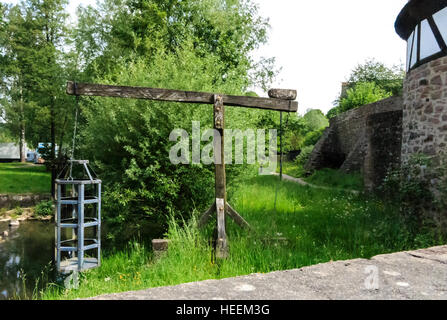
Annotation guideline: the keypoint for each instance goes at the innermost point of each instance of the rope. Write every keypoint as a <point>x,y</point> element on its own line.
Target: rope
<point>75,128</point>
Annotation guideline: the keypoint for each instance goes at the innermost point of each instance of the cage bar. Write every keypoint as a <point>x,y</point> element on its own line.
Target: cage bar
<point>78,219</point>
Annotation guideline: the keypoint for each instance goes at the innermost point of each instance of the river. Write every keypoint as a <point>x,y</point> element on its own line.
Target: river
<point>26,255</point>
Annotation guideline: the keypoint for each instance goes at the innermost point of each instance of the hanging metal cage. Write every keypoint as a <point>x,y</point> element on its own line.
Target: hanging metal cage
<point>78,218</point>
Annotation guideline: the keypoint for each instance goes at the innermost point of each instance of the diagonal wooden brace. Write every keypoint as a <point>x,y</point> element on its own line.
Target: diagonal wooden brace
<point>233,214</point>
<point>207,215</point>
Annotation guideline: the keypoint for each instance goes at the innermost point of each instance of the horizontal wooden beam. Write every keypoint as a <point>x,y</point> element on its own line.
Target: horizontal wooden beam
<point>101,90</point>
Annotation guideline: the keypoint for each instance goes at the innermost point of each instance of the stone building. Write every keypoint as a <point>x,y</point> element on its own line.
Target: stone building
<point>423,24</point>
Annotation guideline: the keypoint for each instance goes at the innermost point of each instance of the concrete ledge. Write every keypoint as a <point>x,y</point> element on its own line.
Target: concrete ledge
<point>411,275</point>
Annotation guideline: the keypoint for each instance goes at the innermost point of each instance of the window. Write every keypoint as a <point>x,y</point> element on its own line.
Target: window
<point>429,45</point>
<point>414,51</point>
<point>409,47</point>
<point>428,40</point>
<point>440,19</point>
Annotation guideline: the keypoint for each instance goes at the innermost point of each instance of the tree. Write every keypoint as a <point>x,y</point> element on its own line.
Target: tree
<point>369,82</point>
<point>315,120</point>
<point>363,93</point>
<point>118,30</point>
<point>300,131</point>
<point>190,45</point>
<point>389,79</point>
<point>34,70</point>
<point>16,71</point>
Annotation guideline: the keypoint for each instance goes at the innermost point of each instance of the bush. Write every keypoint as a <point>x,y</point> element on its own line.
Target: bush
<point>129,142</point>
<point>18,211</point>
<point>311,138</point>
<point>413,187</point>
<point>44,208</point>
<point>304,155</point>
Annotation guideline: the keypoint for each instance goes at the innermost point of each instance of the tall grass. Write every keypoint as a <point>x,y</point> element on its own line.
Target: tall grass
<point>294,226</point>
<point>336,179</point>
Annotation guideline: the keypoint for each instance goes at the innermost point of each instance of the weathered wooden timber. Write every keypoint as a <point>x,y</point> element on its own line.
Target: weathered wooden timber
<point>88,89</point>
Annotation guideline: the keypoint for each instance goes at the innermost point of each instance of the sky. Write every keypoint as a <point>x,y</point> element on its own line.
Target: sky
<point>318,43</point>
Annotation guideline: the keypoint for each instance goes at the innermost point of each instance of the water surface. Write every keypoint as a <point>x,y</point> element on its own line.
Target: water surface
<point>26,255</point>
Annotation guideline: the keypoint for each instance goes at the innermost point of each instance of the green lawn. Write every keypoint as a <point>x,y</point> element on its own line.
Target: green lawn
<point>24,178</point>
<point>318,226</point>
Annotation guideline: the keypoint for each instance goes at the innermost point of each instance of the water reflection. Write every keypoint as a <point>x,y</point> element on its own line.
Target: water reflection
<point>26,255</point>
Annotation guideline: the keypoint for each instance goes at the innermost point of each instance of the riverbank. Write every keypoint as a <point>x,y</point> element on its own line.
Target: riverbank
<point>11,219</point>
<point>23,214</point>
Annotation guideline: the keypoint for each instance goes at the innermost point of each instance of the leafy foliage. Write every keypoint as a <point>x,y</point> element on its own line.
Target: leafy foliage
<point>44,208</point>
<point>363,93</point>
<point>390,79</point>
<point>303,157</point>
<point>418,186</point>
<point>315,120</point>
<point>200,45</point>
<point>369,82</point>
<point>301,131</point>
<point>129,139</point>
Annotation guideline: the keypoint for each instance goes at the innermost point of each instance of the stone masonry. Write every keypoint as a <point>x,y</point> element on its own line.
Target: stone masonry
<point>345,142</point>
<point>384,140</point>
<point>425,111</point>
<point>425,123</point>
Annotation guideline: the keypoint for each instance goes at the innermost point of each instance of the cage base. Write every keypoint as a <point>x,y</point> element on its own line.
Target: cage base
<point>70,265</point>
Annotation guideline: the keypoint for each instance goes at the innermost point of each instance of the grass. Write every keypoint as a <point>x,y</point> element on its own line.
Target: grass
<point>336,179</point>
<point>319,226</point>
<point>325,177</point>
<point>18,178</point>
<point>292,169</point>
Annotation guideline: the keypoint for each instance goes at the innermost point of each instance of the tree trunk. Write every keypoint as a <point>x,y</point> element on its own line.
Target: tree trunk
<point>53,147</point>
<point>22,130</point>
<point>61,137</point>
<point>22,143</point>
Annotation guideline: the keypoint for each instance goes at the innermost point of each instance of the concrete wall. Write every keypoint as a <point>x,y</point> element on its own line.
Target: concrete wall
<point>344,143</point>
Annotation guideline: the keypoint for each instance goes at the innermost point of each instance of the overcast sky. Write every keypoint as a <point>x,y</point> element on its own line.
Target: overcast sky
<point>317,43</point>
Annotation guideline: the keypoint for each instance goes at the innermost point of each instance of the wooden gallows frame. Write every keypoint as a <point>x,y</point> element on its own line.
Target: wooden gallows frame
<point>280,100</point>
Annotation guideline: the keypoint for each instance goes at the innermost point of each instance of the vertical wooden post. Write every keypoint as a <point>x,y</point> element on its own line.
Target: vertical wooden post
<point>280,145</point>
<point>220,178</point>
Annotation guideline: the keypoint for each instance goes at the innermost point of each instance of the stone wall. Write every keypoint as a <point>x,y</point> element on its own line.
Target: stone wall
<point>384,140</point>
<point>345,142</point>
<point>425,124</point>
<point>22,200</point>
<point>425,111</point>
